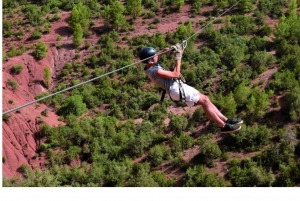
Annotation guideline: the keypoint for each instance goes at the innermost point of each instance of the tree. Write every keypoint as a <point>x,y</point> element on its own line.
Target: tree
<point>179,4</point>
<point>78,35</point>
<point>258,103</point>
<point>47,76</point>
<point>178,124</point>
<point>196,7</point>
<point>233,55</point>
<point>245,6</point>
<point>252,138</point>
<point>259,61</point>
<point>80,15</point>
<point>40,51</point>
<point>288,27</point>
<point>74,104</point>
<point>294,103</point>
<point>113,14</point>
<point>241,94</point>
<point>211,150</point>
<point>134,8</point>
<point>228,104</point>
<point>197,177</point>
<point>141,177</point>
<point>158,153</point>
<point>247,174</point>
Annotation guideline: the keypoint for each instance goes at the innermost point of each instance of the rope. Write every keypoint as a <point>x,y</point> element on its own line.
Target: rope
<point>184,44</point>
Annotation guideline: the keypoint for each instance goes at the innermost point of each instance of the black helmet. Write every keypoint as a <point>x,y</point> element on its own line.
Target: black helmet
<point>146,52</point>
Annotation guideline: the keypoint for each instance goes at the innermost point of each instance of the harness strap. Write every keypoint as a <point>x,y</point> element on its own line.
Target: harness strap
<point>162,96</point>
<point>181,94</point>
<point>181,91</point>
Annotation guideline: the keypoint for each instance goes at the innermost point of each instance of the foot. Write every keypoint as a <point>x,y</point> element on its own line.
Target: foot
<point>230,128</point>
<point>234,121</point>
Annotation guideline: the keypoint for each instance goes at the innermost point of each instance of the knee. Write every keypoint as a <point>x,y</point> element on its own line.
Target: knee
<point>204,100</point>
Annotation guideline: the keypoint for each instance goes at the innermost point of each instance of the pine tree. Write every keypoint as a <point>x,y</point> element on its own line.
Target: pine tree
<point>40,50</point>
<point>47,76</point>
<point>134,8</point>
<point>80,15</point>
<point>113,15</point>
<point>78,35</point>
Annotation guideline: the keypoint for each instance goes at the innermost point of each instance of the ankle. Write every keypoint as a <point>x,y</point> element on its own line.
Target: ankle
<point>222,125</point>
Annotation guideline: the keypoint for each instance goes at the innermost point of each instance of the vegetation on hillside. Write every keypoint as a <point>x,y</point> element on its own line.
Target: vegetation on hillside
<point>105,144</point>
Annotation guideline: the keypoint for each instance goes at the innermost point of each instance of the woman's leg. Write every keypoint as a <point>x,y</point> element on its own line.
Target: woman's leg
<point>211,110</point>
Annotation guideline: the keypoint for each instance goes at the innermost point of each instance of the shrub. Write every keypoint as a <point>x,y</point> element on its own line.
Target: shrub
<point>47,76</point>
<point>47,26</point>
<point>158,153</point>
<point>74,104</point>
<point>197,177</point>
<point>44,112</point>
<point>178,124</point>
<point>36,34</point>
<point>16,69</point>
<point>41,95</point>
<point>211,150</point>
<point>3,159</point>
<point>13,83</point>
<point>5,117</point>
<point>40,50</point>
<point>59,38</point>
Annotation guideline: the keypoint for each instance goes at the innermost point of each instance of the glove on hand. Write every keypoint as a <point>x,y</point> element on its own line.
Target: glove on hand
<point>178,51</point>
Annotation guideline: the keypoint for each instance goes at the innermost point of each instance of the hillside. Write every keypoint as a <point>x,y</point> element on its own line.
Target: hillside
<point>102,134</point>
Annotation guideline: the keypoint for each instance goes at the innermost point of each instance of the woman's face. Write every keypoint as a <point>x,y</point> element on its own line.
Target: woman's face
<point>154,59</point>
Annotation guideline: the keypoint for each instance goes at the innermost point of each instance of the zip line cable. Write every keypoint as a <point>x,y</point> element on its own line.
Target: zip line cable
<point>184,44</point>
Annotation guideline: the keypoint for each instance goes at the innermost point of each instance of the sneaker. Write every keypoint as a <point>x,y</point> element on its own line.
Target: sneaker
<point>230,128</point>
<point>234,121</point>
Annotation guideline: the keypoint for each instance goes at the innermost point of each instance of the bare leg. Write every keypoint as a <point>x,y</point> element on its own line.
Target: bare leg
<point>211,110</point>
<point>221,116</point>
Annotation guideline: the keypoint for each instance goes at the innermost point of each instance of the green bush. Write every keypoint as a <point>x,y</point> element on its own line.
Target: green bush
<point>5,117</point>
<point>59,38</point>
<point>13,83</point>
<point>211,150</point>
<point>44,113</point>
<point>72,105</point>
<point>178,124</point>
<point>41,95</point>
<point>40,50</point>
<point>36,34</point>
<point>197,177</point>
<point>16,69</point>
<point>248,174</point>
<point>158,153</point>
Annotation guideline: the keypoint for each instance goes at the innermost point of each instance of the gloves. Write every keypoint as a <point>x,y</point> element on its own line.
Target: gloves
<point>178,50</point>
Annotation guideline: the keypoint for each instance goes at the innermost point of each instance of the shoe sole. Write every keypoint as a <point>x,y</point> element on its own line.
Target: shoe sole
<point>232,130</point>
<point>239,123</point>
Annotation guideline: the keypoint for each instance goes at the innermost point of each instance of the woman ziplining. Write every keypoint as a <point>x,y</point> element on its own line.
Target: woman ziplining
<point>179,91</point>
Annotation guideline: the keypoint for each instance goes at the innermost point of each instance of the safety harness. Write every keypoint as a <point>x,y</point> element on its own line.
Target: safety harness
<point>179,80</point>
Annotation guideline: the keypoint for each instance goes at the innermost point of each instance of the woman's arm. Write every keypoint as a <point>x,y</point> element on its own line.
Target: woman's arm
<point>176,72</point>
<point>170,74</point>
<point>164,51</point>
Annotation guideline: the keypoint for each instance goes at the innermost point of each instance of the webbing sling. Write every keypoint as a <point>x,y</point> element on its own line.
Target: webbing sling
<point>181,93</point>
<point>181,90</point>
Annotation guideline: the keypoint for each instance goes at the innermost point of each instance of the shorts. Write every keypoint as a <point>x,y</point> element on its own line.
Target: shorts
<point>192,95</point>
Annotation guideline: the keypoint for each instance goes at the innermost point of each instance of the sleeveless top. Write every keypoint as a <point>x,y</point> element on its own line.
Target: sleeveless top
<point>164,83</point>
